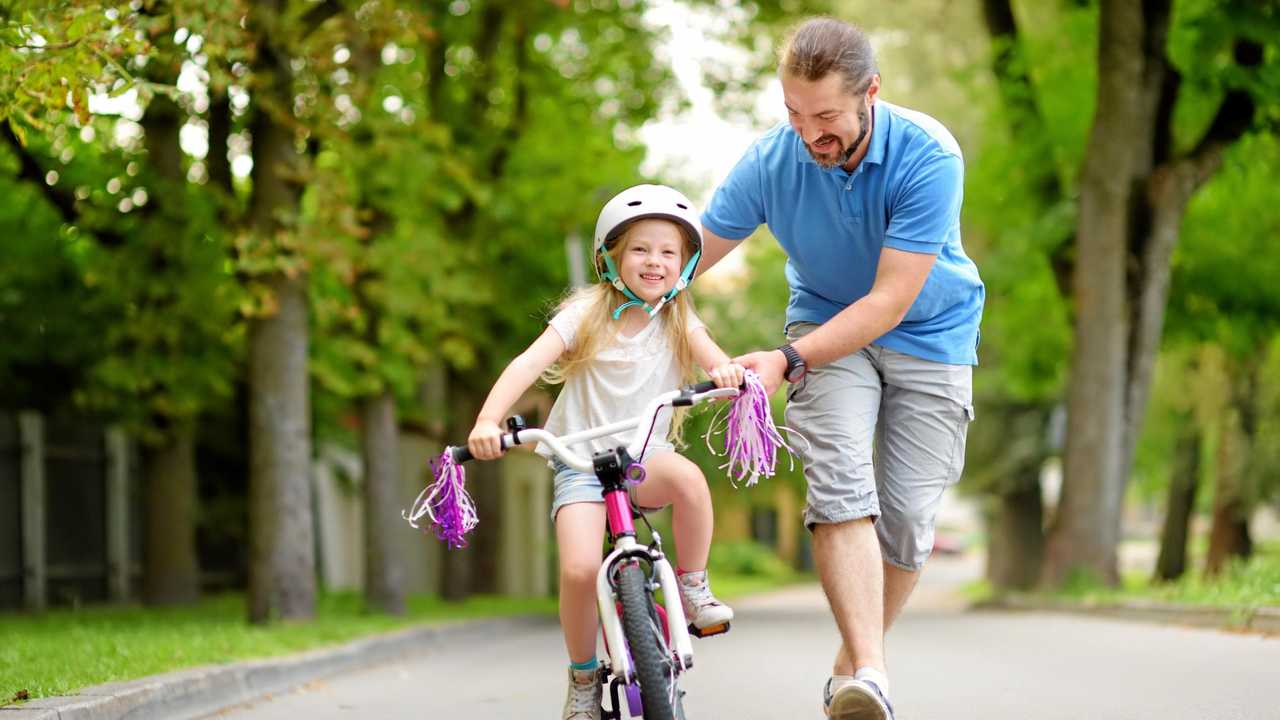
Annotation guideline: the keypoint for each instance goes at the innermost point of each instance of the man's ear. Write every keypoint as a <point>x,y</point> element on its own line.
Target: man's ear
<point>873,90</point>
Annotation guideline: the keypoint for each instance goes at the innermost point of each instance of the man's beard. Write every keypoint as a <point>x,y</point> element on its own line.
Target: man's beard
<point>840,157</point>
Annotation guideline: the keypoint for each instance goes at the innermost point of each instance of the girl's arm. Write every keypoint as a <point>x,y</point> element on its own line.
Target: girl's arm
<point>715,361</point>
<point>523,371</point>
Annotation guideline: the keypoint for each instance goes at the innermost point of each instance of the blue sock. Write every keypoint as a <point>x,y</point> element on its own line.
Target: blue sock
<point>591,664</point>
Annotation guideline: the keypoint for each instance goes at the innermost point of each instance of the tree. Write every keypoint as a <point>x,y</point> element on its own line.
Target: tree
<point>1220,298</point>
<point>154,270</point>
<point>1143,161</point>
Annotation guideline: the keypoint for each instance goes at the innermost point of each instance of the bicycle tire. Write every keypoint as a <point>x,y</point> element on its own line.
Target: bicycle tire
<point>638,621</point>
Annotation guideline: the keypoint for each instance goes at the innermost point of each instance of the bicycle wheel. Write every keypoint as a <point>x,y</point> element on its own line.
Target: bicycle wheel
<point>653,662</point>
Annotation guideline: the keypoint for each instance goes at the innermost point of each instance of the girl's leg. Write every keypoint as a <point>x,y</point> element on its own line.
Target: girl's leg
<point>580,535</point>
<point>671,479</point>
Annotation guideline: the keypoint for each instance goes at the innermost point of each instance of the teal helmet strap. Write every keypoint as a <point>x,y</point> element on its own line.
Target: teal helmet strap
<point>611,274</point>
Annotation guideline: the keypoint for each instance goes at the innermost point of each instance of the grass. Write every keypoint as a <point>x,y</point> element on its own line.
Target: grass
<point>1244,585</point>
<point>61,651</point>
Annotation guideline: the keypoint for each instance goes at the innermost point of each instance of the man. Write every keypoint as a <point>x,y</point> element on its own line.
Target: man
<point>882,330</point>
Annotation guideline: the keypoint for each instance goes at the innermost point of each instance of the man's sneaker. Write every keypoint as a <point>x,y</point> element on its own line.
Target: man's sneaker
<point>847,698</point>
<point>583,701</point>
<point>706,614</point>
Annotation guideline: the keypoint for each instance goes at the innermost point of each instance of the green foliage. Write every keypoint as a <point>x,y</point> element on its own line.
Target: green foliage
<point>750,559</point>
<point>1243,584</point>
<point>1224,268</point>
<point>53,55</point>
<point>1171,408</point>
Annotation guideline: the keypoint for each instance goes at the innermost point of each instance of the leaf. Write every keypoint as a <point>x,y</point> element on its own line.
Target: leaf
<point>18,131</point>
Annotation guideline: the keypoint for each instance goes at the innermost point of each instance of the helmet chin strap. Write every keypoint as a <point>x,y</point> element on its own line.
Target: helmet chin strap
<point>611,274</point>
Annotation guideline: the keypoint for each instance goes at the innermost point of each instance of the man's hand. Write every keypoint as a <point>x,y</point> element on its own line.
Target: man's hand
<point>768,364</point>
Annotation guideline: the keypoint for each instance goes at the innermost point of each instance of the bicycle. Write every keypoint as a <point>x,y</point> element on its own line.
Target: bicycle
<point>647,643</point>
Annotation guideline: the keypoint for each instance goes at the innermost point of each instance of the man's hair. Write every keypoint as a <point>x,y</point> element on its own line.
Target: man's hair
<point>823,45</point>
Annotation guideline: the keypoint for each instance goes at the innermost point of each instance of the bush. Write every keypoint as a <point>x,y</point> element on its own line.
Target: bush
<point>747,558</point>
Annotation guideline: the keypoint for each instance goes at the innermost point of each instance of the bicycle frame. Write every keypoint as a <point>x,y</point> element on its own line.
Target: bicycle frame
<point>612,468</point>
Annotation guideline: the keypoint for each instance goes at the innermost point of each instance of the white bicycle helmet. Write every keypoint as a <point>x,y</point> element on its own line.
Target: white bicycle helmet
<point>637,203</point>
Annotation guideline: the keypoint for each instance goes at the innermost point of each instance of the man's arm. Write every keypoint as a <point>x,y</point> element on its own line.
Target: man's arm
<point>714,248</point>
<point>899,277</point>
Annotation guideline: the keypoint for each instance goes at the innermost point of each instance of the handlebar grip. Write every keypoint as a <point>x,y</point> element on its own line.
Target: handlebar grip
<point>705,386</point>
<point>462,453</point>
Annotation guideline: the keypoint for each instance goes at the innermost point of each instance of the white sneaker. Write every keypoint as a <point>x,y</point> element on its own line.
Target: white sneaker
<point>847,698</point>
<point>583,700</point>
<point>701,608</point>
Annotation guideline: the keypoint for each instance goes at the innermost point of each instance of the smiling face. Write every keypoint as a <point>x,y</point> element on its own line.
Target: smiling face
<point>833,123</point>
<point>651,258</point>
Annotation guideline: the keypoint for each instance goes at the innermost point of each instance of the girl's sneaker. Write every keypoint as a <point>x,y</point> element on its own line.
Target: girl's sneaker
<point>583,701</point>
<point>706,614</point>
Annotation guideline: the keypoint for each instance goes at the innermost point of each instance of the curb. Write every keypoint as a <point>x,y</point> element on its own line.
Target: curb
<point>1260,620</point>
<point>201,691</point>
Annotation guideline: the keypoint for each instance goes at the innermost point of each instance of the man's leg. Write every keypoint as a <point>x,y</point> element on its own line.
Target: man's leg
<point>847,556</point>
<point>898,584</point>
<point>925,411</point>
<point>835,409</point>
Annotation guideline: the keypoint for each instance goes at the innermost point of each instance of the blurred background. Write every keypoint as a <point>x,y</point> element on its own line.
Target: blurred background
<point>259,262</point>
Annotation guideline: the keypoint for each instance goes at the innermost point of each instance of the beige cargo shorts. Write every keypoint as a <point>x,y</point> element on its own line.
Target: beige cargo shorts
<point>885,438</point>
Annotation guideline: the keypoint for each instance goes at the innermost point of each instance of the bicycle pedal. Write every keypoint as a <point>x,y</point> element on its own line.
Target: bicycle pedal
<point>708,631</point>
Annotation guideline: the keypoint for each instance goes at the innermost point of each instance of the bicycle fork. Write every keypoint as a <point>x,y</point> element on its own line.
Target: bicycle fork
<point>677,627</point>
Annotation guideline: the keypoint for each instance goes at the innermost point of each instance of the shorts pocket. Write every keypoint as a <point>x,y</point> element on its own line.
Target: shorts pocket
<point>956,465</point>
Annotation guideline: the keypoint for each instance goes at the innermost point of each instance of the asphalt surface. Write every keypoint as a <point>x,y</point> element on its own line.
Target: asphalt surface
<point>944,663</point>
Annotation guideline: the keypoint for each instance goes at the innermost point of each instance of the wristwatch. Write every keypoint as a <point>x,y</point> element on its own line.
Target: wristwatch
<point>796,366</point>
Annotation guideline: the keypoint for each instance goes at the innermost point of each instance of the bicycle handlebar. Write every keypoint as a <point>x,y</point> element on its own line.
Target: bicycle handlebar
<point>686,396</point>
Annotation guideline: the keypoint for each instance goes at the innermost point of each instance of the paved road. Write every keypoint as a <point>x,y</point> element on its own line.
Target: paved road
<point>944,663</point>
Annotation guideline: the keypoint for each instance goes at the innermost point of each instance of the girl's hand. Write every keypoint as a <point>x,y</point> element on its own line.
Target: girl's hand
<point>730,374</point>
<point>485,441</point>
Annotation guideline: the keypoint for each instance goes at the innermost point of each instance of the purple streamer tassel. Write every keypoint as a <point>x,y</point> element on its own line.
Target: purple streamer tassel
<point>751,439</point>
<point>445,503</point>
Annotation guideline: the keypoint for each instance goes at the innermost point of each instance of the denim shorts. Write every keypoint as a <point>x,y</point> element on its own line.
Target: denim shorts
<point>574,486</point>
<point>885,436</point>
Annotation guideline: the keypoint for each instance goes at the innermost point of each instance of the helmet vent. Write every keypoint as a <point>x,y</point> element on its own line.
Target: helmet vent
<point>682,206</point>
<point>633,203</point>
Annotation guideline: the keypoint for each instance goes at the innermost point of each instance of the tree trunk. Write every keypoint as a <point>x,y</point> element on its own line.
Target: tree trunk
<point>220,120</point>
<point>456,581</point>
<point>474,568</point>
<point>1086,527</point>
<point>384,582</point>
<point>172,574</point>
<point>486,488</point>
<point>1229,535</point>
<point>282,582</point>
<point>1015,551</point>
<point>1172,561</point>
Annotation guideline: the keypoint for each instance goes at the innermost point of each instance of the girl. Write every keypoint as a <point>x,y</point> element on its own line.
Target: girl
<point>615,345</point>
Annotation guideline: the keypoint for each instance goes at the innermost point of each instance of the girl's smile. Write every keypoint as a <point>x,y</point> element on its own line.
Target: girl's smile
<point>652,258</point>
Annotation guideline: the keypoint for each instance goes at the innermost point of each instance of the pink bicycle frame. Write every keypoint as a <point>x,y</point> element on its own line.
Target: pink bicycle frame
<point>617,507</point>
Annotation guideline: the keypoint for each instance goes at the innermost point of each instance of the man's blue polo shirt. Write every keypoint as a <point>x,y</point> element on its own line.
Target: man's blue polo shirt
<point>905,194</point>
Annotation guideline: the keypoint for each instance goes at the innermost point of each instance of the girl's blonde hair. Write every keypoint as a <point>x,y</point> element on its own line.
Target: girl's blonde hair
<point>598,327</point>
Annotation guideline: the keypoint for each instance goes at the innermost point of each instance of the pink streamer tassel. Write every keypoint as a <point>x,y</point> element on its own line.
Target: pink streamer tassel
<point>751,439</point>
<point>445,503</point>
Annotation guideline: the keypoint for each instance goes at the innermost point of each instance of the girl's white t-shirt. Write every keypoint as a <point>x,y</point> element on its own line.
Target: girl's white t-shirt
<point>617,385</point>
